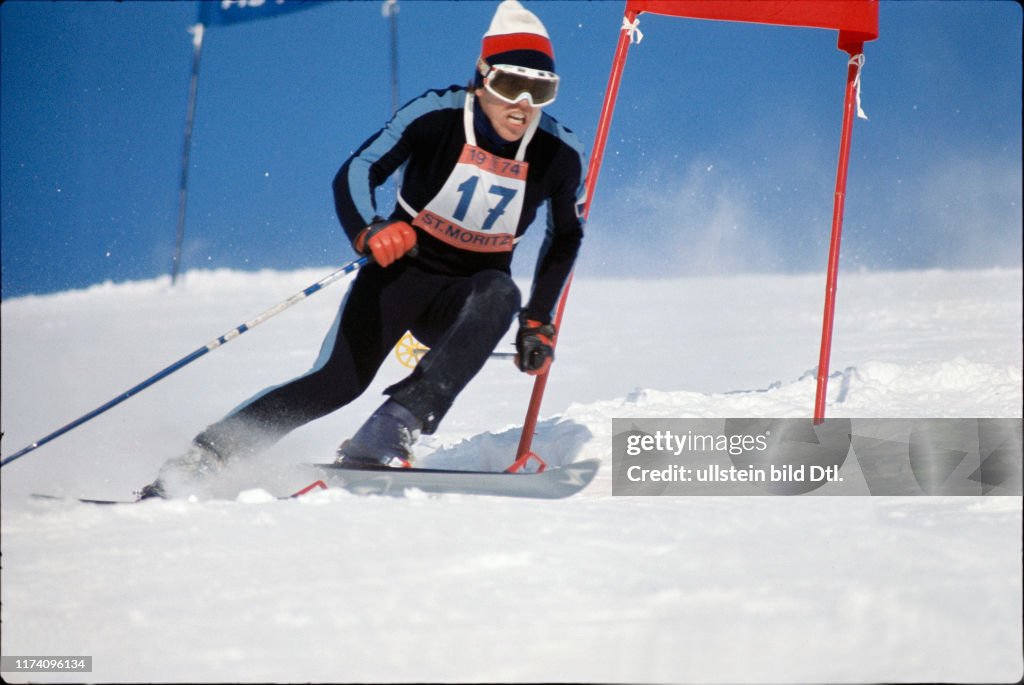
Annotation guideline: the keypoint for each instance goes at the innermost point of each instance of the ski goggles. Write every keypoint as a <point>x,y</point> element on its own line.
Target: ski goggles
<point>511,84</point>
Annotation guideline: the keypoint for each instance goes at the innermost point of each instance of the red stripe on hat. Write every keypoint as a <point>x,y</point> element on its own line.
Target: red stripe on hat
<point>492,45</point>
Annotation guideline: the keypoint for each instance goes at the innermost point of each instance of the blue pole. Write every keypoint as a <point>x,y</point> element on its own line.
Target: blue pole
<point>190,116</point>
<point>188,359</point>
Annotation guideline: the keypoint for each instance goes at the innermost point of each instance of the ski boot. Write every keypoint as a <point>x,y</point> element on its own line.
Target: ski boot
<point>384,441</point>
<point>154,490</point>
<point>191,467</point>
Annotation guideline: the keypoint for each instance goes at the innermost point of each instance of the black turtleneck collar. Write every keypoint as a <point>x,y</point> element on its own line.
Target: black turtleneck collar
<point>485,130</point>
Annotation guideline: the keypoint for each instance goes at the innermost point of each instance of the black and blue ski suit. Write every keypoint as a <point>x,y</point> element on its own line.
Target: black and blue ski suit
<point>469,201</point>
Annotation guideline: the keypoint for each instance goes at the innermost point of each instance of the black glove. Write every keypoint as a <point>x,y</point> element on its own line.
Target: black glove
<point>535,346</point>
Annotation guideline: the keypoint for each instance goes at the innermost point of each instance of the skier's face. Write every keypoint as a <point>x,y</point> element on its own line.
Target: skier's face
<point>510,121</point>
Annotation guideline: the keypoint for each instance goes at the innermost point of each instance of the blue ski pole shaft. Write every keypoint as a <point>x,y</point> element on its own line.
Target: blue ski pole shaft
<point>188,359</point>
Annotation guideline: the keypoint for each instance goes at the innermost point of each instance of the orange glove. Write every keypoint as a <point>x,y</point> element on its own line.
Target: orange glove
<point>535,346</point>
<point>387,241</point>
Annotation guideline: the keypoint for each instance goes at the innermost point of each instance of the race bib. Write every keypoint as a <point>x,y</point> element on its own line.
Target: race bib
<point>478,207</point>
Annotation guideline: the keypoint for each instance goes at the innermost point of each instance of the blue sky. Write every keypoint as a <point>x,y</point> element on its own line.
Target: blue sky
<point>721,158</point>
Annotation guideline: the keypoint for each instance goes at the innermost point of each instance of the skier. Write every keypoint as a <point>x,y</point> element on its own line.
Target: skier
<point>477,162</point>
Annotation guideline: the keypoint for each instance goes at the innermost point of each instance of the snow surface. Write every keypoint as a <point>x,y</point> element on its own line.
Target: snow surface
<point>238,586</point>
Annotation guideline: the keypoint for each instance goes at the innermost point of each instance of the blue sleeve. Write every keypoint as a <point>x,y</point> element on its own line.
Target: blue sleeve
<point>380,156</point>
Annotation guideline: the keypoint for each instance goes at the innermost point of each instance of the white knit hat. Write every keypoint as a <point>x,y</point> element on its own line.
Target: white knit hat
<point>516,36</point>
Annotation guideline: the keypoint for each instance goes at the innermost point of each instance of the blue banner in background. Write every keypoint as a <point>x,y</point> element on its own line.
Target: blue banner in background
<point>226,12</point>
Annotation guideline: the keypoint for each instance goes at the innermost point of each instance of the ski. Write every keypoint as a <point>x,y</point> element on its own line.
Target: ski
<point>318,485</point>
<point>552,483</point>
<point>83,500</point>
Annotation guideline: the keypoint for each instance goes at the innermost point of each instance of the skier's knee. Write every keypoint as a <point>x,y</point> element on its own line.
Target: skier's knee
<point>498,293</point>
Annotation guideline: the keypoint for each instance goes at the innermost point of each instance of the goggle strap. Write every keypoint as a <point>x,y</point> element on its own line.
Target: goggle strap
<point>527,137</point>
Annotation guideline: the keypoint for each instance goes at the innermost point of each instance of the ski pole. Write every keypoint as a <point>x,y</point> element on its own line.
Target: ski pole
<point>188,359</point>
<point>409,351</point>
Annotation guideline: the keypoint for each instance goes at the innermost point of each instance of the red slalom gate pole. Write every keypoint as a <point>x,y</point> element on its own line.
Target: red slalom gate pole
<point>524,452</point>
<point>849,107</point>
